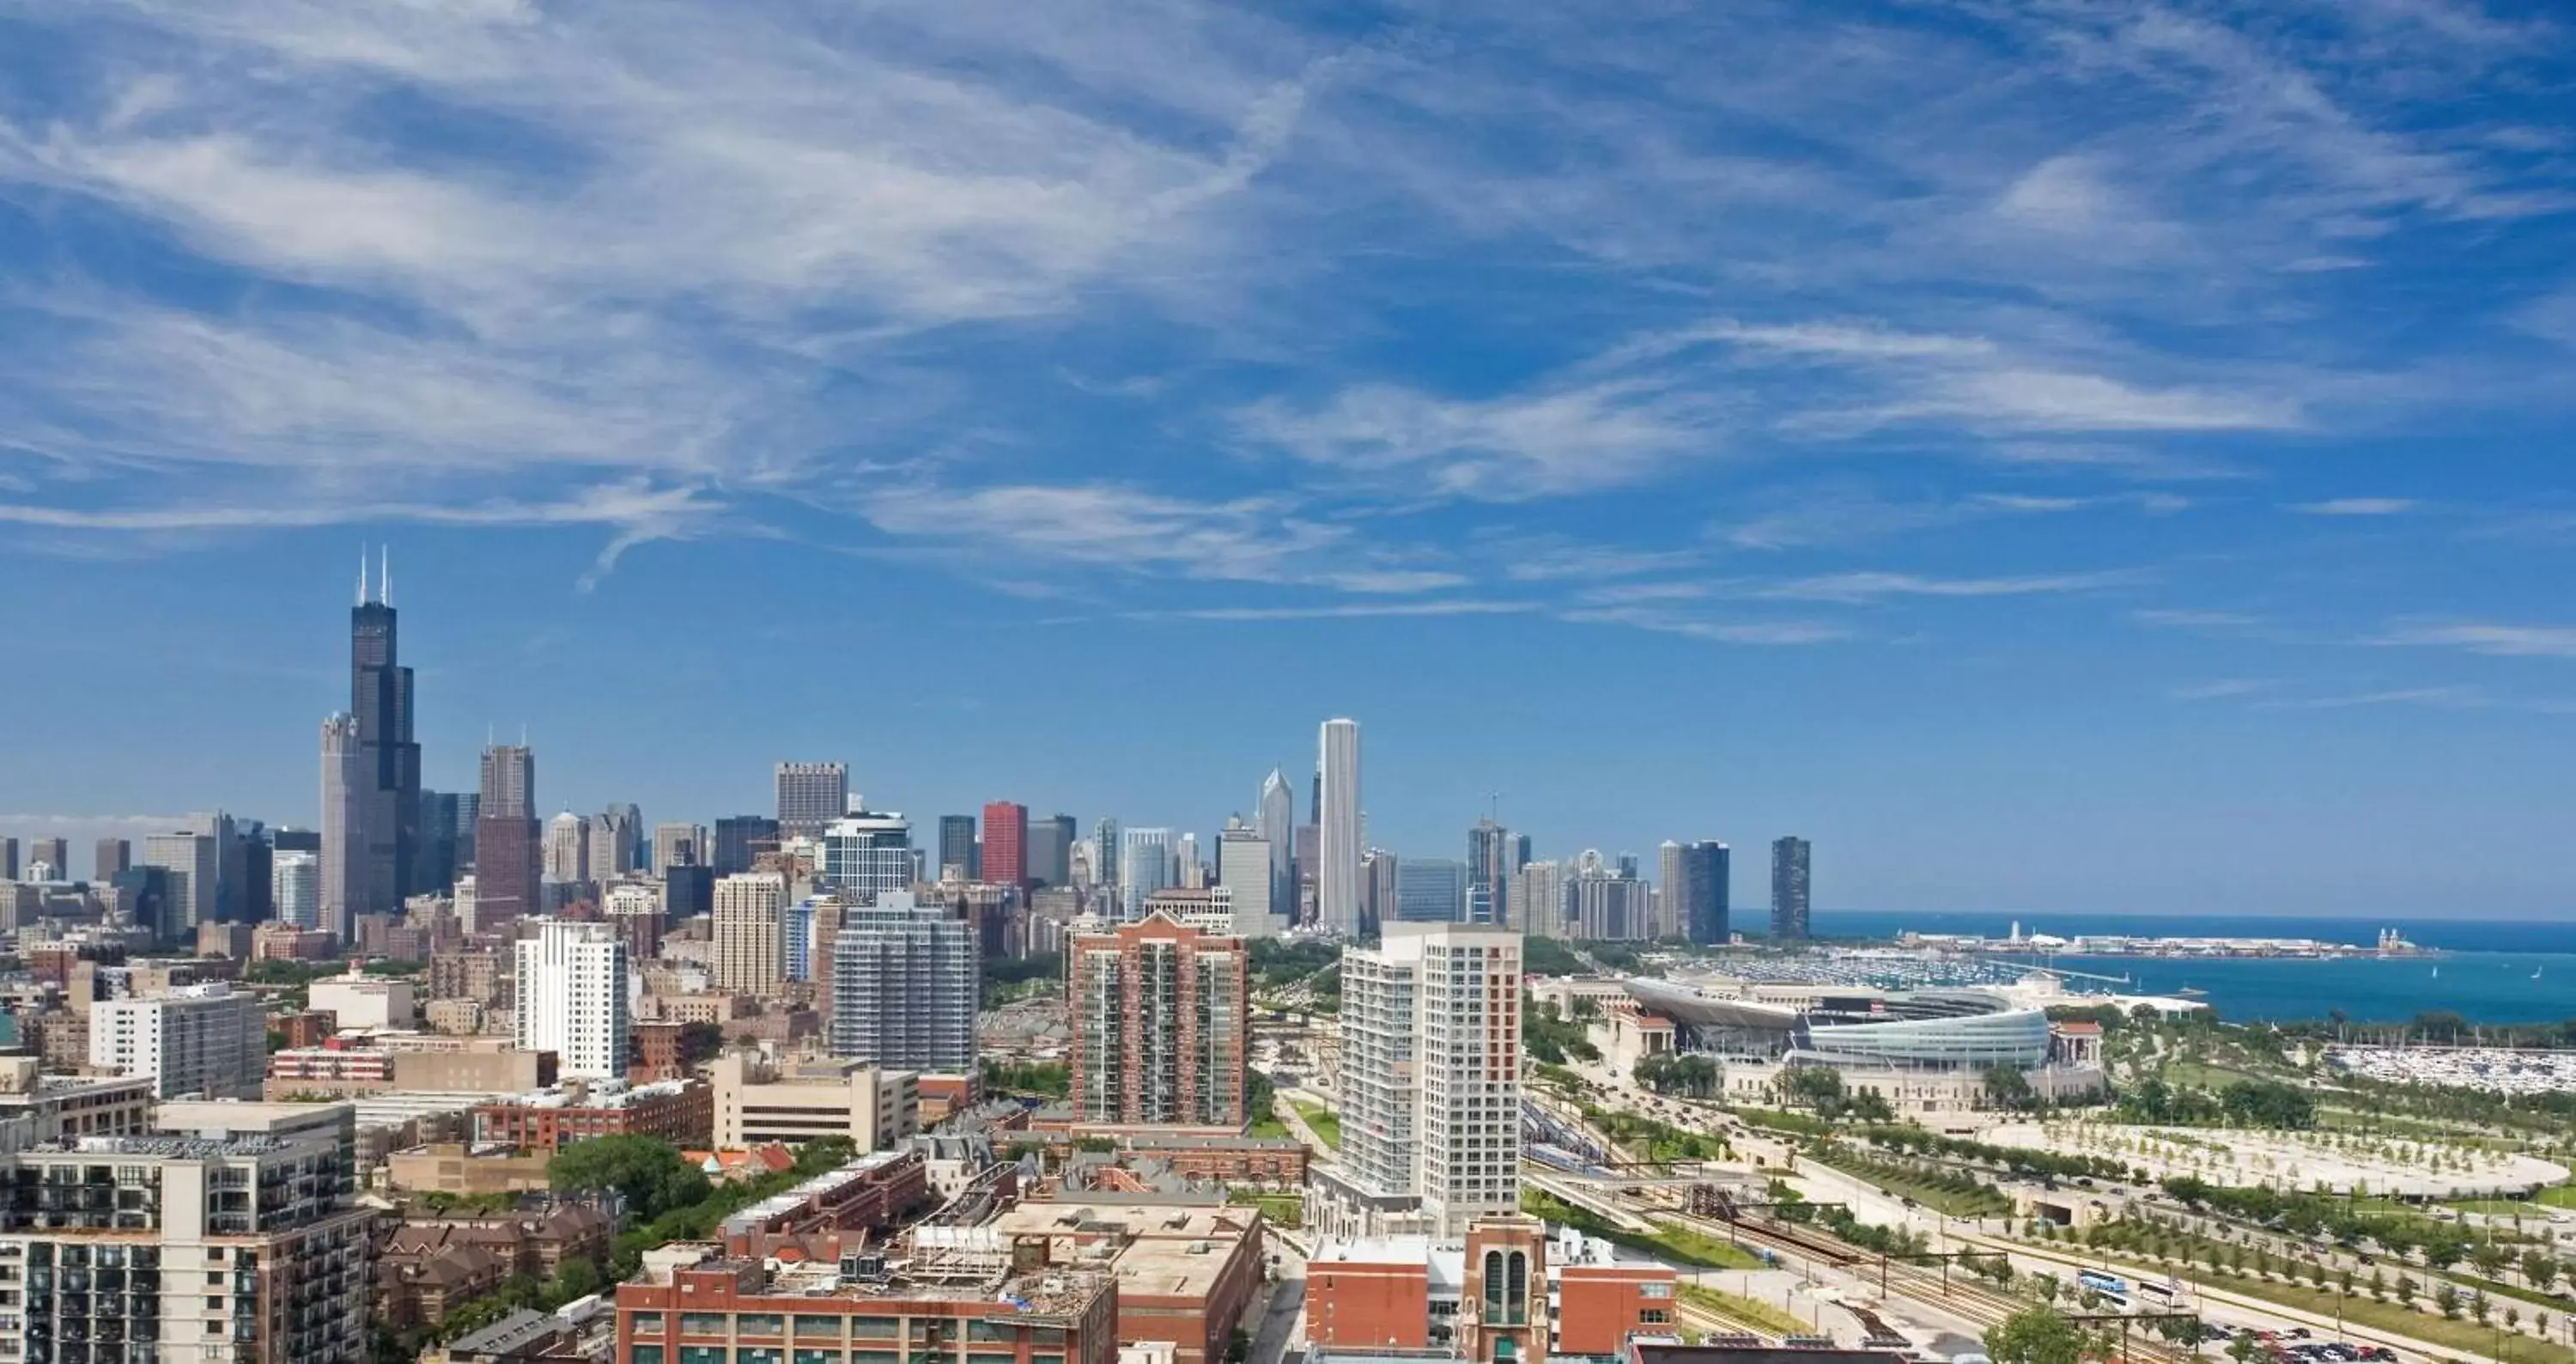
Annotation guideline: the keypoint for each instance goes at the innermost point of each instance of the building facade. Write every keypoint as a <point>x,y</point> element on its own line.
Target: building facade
<point>906,984</point>
<point>1789,887</point>
<point>759,1101</point>
<point>810,797</point>
<point>750,934</point>
<point>380,697</point>
<point>1006,844</point>
<point>295,888</point>
<point>867,854</point>
<point>505,839</point>
<point>1337,820</point>
<point>1144,866</point>
<point>572,998</point>
<point>1430,1082</point>
<point>1247,869</point>
<point>192,1039</point>
<point>1161,1017</point>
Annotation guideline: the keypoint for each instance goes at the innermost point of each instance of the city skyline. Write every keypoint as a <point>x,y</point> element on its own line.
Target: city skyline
<point>2067,460</point>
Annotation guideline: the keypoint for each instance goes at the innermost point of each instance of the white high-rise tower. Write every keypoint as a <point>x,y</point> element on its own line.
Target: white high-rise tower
<point>344,833</point>
<point>1278,823</point>
<point>573,982</point>
<point>1337,821</point>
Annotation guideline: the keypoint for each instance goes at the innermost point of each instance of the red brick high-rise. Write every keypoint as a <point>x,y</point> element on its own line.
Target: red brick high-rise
<point>1161,1018</point>
<point>1006,843</point>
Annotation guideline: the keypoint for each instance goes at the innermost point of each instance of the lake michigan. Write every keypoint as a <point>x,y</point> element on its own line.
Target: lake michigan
<point>2500,971</point>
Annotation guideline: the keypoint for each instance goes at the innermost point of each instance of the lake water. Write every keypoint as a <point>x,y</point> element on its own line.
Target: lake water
<point>2501,971</point>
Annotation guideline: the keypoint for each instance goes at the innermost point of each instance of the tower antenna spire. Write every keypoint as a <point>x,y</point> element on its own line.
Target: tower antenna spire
<point>362,573</point>
<point>385,575</point>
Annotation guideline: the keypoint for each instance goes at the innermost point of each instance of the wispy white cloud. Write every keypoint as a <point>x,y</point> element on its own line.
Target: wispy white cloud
<point>2447,698</point>
<point>1878,586</point>
<point>2173,619</point>
<point>1343,611</point>
<point>2223,689</point>
<point>1664,620</point>
<point>1850,514</point>
<point>2357,506</point>
<point>2484,637</point>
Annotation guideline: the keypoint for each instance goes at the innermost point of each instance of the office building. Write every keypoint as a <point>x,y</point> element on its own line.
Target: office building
<point>614,835</point>
<point>750,944</point>
<point>52,855</point>
<point>447,838</point>
<point>1006,844</point>
<point>957,847</point>
<point>1104,857</point>
<point>633,907</point>
<point>227,1236</point>
<point>295,886</point>
<point>356,1000</point>
<point>1431,890</point>
<point>759,1100</point>
<point>1696,891</point>
<point>1276,817</point>
<point>110,857</point>
<point>1245,867</point>
<point>1144,866</point>
<point>1161,1016</point>
<point>567,850</point>
<point>1494,854</point>
<point>1431,1091</point>
<point>740,840</point>
<point>1051,843</point>
<point>688,893</point>
<point>505,839</point>
<point>906,982</point>
<point>1379,870</point>
<point>573,999</point>
<point>201,1040</point>
<point>680,845</point>
<point>1337,820</point>
<point>1604,904</point>
<point>867,854</point>
<point>1537,902</point>
<point>380,698</point>
<point>191,861</point>
<point>9,865</point>
<point>810,797</point>
<point>1789,888</point>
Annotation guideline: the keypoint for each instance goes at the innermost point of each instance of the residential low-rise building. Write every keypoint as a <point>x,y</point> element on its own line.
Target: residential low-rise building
<point>678,1111</point>
<point>1185,1273</point>
<point>692,1299</point>
<point>472,1171</point>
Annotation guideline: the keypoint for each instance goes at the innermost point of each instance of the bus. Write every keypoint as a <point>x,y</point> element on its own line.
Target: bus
<point>2099,1282</point>
<point>2163,1293</point>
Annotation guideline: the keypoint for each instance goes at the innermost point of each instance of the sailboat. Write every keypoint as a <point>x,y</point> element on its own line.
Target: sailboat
<point>2437,973</point>
<point>2535,972</point>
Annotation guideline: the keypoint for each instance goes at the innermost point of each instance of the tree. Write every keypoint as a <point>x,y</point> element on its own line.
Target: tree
<point>2447,1298</point>
<point>822,1155</point>
<point>1816,1087</point>
<point>647,1172</point>
<point>2035,1335</point>
<point>579,1278</point>
<point>2539,1269</point>
<point>699,1042</point>
<point>2008,1088</point>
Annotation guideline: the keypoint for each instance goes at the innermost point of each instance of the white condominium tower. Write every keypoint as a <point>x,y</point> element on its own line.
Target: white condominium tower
<point>1431,1087</point>
<point>573,998</point>
<point>1337,820</point>
<point>750,934</point>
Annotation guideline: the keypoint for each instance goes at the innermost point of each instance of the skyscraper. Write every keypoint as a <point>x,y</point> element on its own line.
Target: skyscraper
<point>567,851</point>
<point>573,984</point>
<point>1537,901</point>
<point>679,845</point>
<point>1144,866</point>
<point>750,934</point>
<point>1431,1087</point>
<point>1430,890</point>
<point>1695,890</point>
<point>1006,843</point>
<point>1789,887</point>
<point>613,837</point>
<point>1051,843</point>
<point>446,838</point>
<point>380,696</point>
<point>110,857</point>
<point>1337,879</point>
<point>8,859</point>
<point>191,862</point>
<point>905,986</point>
<point>295,887</point>
<point>505,839</point>
<point>810,797</point>
<point>54,853</point>
<point>1245,868</point>
<point>1104,857</point>
<point>1161,1019</point>
<point>957,847</point>
<point>1493,854</point>
<point>740,840</point>
<point>867,854</point>
<point>344,831</point>
<point>1278,824</point>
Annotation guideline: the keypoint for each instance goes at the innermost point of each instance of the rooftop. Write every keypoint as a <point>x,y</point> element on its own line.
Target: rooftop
<point>1063,1293</point>
<point>517,1331</point>
<point>813,1189</point>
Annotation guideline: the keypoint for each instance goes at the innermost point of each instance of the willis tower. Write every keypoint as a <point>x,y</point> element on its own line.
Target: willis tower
<point>388,794</point>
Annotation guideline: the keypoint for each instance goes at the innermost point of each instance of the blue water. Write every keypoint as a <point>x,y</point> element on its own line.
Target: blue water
<point>2484,972</point>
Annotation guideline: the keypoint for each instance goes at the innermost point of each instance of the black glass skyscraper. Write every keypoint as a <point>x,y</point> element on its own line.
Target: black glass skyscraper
<point>1789,888</point>
<point>1700,901</point>
<point>388,800</point>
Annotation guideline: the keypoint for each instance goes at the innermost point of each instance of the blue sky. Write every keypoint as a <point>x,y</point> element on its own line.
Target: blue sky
<point>2056,456</point>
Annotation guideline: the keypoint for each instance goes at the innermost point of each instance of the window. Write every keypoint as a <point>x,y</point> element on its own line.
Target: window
<point>806,1356</point>
<point>1653,1316</point>
<point>1655,1290</point>
<point>992,1331</point>
<point>645,1354</point>
<point>702,1354</point>
<point>876,1328</point>
<point>826,1328</point>
<point>702,1323</point>
<point>647,1323</point>
<point>759,1324</point>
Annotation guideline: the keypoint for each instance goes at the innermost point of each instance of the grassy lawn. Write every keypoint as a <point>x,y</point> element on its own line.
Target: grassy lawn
<point>2555,1196</point>
<point>1326,1124</point>
<point>1761,1316</point>
<point>1906,1182</point>
<point>1279,1209</point>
